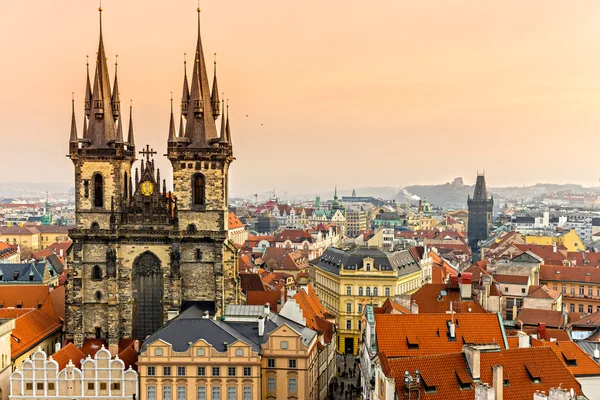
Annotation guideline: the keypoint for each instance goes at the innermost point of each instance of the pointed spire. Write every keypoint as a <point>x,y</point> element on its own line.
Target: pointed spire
<point>88,89</point>
<point>223,127</point>
<point>185,97</point>
<point>201,129</point>
<point>130,139</point>
<point>181,128</point>
<point>102,124</point>
<point>214,98</point>
<point>119,138</point>
<point>85,128</point>
<point>73,138</point>
<point>116,102</point>
<point>227,129</point>
<point>172,135</point>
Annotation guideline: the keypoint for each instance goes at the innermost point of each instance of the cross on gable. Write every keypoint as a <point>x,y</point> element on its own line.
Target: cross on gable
<point>148,152</point>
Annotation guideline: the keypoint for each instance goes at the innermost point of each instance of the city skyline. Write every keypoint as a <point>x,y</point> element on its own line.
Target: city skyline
<point>323,104</point>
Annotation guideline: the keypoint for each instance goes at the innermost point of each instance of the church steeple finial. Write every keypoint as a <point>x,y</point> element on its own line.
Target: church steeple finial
<point>115,101</point>
<point>214,98</point>
<point>185,97</point>
<point>227,128</point>
<point>172,134</point>
<point>223,126</point>
<point>88,89</point>
<point>130,139</point>
<point>73,137</point>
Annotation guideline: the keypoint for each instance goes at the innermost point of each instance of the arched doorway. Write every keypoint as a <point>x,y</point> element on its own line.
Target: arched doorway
<point>148,294</point>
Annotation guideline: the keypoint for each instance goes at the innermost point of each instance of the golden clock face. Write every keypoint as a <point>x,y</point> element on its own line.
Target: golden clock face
<point>147,188</point>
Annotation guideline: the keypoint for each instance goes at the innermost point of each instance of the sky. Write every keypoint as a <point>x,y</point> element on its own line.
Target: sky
<point>353,93</point>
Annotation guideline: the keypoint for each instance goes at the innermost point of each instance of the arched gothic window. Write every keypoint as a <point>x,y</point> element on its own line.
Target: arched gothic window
<point>368,291</point>
<point>360,291</point>
<point>125,188</point>
<point>98,191</point>
<point>198,185</point>
<point>96,273</point>
<point>98,296</point>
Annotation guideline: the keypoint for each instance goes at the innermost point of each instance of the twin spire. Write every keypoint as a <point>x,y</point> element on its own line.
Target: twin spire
<point>102,123</point>
<point>200,106</point>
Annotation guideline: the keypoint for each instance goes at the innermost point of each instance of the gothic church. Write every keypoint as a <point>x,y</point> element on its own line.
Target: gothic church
<point>141,253</point>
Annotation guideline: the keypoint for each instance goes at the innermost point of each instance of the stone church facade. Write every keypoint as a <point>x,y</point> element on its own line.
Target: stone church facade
<point>141,253</point>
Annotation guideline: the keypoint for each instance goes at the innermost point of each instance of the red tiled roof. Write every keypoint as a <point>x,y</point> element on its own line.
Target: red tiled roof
<point>129,356</point>
<point>441,371</point>
<point>431,330</point>
<point>233,222</point>
<point>314,313</point>
<point>391,307</point>
<point>581,258</point>
<point>31,327</point>
<point>260,298</point>
<point>511,279</point>
<point>91,346</point>
<point>532,316</point>
<point>427,297</point>
<point>440,262</point>
<point>68,353</point>
<point>545,252</point>
<point>250,282</point>
<point>569,274</point>
<point>294,235</point>
<point>27,296</point>
<point>542,292</point>
<point>54,248</point>
<point>577,361</point>
<point>551,334</point>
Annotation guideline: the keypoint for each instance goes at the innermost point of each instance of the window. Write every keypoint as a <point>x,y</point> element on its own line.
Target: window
<point>201,393</point>
<point>40,386</point>
<point>348,290</point>
<point>271,384</point>
<point>97,331</point>
<point>581,308</point>
<point>198,191</point>
<point>555,287</point>
<point>216,393</point>
<point>158,352</point>
<point>247,371</point>
<point>590,309</point>
<point>239,352</point>
<point>348,324</point>
<point>590,291</point>
<point>50,385</point>
<point>198,254</point>
<point>199,352</point>
<point>167,395</point>
<point>116,386</point>
<point>151,371</point>
<point>271,363</point>
<point>96,273</point>
<point>375,291</point>
<point>572,307</point>
<point>98,295</point>
<point>564,288</point>
<point>349,307</point>
<point>125,181</point>
<point>29,386</point>
<point>86,189</point>
<point>360,307</point>
<point>216,371</point>
<point>368,291</point>
<point>180,371</point>
<point>181,393</point>
<point>102,385</point>
<point>231,371</point>
<point>151,392</point>
<point>598,293</point>
<point>387,292</point>
<point>98,191</point>
<point>231,393</point>
<point>292,363</point>
<point>247,393</point>
<point>201,371</point>
<point>581,290</point>
<point>292,385</point>
<point>284,345</point>
<point>166,371</point>
<point>572,289</point>
<point>360,291</point>
<point>506,289</point>
<point>522,290</point>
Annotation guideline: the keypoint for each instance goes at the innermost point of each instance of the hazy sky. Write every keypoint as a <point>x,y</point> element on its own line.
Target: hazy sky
<point>379,93</point>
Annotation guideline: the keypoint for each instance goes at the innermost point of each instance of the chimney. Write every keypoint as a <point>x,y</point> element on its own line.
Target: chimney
<point>61,252</point>
<point>497,377</point>
<point>539,395</point>
<point>414,307</point>
<point>483,391</point>
<point>464,284</point>
<point>559,394</point>
<point>57,347</point>
<point>205,315</point>
<point>536,277</point>
<point>554,248</point>
<point>523,340</point>
<point>473,356</point>
<point>261,326</point>
<point>596,353</point>
<point>451,330</point>
<point>267,310</point>
<point>541,331</point>
<point>136,346</point>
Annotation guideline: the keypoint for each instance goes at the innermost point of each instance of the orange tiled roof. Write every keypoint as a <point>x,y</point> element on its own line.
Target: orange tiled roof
<point>91,346</point>
<point>260,298</point>
<point>314,313</point>
<point>427,298</point>
<point>574,358</point>
<point>27,296</point>
<point>430,330</point>
<point>391,307</point>
<point>31,326</point>
<point>542,292</point>
<point>441,371</point>
<point>66,354</point>
<point>129,356</point>
<point>559,273</point>
<point>233,222</point>
<point>532,316</point>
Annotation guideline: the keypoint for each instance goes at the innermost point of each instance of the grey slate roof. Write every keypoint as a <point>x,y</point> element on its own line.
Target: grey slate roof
<point>589,348</point>
<point>333,259</point>
<point>30,272</point>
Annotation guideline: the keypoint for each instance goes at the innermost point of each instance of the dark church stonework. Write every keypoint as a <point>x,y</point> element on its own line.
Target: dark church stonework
<point>140,252</point>
<point>480,215</point>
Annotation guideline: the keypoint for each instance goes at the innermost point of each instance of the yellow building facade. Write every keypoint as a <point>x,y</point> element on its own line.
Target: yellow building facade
<point>569,239</point>
<point>346,281</point>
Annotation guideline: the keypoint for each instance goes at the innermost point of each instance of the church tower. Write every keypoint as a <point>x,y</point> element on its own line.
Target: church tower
<point>480,214</point>
<point>140,254</point>
<point>200,157</point>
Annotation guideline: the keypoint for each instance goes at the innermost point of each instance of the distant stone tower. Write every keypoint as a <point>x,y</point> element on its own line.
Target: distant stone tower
<point>141,254</point>
<point>480,214</point>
